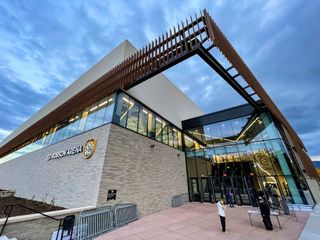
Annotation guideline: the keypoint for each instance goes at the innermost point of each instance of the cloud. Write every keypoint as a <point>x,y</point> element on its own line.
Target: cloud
<point>315,158</point>
<point>45,46</point>
<point>4,133</point>
<point>18,101</point>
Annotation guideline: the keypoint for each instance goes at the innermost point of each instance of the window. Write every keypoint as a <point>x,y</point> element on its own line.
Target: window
<point>180,139</point>
<point>165,138</point>
<point>237,127</point>
<point>226,130</point>
<point>175,138</point>
<point>143,121</point>
<point>151,125</point>
<point>109,109</point>
<point>74,124</point>
<point>133,113</point>
<point>189,143</point>
<point>90,118</point>
<point>128,113</point>
<point>99,118</point>
<point>83,120</point>
<point>170,135</point>
<point>217,138</point>
<point>125,104</point>
<point>159,126</point>
<point>269,131</point>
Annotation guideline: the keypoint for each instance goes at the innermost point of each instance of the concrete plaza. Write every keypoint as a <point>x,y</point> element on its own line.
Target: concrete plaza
<point>200,221</point>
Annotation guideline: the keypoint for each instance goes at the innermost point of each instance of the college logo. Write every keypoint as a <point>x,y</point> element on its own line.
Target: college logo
<point>89,148</point>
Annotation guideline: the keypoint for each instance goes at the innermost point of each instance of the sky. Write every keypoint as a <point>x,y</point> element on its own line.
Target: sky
<point>46,45</point>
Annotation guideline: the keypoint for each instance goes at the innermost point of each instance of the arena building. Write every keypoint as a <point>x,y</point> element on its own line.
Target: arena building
<point>123,132</point>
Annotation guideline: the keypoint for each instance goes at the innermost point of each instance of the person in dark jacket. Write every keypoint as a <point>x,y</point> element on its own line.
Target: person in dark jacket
<point>265,213</point>
<point>230,198</point>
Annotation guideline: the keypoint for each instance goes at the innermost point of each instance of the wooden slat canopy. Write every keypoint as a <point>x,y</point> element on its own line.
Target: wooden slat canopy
<point>226,48</point>
<point>180,43</point>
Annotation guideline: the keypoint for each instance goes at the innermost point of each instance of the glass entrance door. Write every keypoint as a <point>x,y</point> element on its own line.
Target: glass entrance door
<point>195,194</point>
<point>241,191</point>
<point>205,190</point>
<point>212,189</point>
<point>242,188</point>
<point>227,186</point>
<point>217,188</point>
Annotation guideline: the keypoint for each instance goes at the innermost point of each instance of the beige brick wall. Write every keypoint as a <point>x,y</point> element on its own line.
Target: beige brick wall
<point>123,160</point>
<point>147,176</point>
<point>72,181</point>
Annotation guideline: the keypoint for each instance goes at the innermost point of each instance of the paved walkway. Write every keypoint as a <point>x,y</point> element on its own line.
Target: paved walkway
<point>311,230</point>
<point>200,221</point>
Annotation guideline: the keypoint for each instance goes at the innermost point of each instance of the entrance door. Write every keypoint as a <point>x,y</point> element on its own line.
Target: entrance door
<point>195,194</point>
<point>205,190</point>
<point>241,191</point>
<point>217,188</point>
<point>252,185</point>
<point>238,186</point>
<point>227,186</point>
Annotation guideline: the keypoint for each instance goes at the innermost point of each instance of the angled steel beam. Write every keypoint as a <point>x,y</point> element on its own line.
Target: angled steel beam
<point>171,48</point>
<point>230,53</point>
<point>229,68</point>
<point>165,51</point>
<point>212,62</point>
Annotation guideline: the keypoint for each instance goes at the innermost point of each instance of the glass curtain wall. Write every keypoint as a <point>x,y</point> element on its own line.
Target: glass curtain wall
<point>132,115</point>
<point>91,117</point>
<point>127,113</point>
<point>243,155</point>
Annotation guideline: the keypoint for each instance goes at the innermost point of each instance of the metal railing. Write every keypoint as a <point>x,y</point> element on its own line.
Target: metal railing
<point>179,200</point>
<point>94,222</point>
<point>9,209</point>
<point>91,223</point>
<point>125,213</point>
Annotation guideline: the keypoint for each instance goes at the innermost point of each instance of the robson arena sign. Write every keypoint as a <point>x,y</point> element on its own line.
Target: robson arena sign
<point>87,150</point>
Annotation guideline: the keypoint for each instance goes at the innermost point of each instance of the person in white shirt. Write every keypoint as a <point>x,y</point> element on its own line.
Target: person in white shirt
<point>222,213</point>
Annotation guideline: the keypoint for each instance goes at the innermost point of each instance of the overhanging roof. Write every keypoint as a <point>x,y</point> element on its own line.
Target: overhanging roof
<point>169,49</point>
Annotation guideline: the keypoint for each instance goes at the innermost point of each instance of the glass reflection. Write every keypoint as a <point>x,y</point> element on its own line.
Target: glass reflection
<point>134,116</point>
<point>90,117</point>
<point>246,155</point>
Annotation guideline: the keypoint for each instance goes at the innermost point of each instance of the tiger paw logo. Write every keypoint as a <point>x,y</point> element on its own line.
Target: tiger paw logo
<point>89,148</point>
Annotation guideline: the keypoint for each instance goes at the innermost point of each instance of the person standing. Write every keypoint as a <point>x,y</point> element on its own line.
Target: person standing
<point>228,197</point>
<point>231,199</point>
<point>265,213</point>
<point>222,214</point>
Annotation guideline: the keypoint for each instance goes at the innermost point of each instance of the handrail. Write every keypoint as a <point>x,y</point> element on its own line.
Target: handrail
<point>11,206</point>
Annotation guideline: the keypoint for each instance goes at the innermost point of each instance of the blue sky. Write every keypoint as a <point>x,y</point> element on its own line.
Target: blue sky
<point>46,45</point>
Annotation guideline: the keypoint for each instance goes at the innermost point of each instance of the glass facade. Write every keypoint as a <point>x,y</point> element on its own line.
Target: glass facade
<point>117,108</point>
<point>131,114</point>
<point>93,116</point>
<point>246,155</point>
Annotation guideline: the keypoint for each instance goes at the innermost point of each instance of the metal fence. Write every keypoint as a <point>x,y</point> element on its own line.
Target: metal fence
<point>125,213</point>
<point>179,200</point>
<point>94,222</point>
<point>91,223</point>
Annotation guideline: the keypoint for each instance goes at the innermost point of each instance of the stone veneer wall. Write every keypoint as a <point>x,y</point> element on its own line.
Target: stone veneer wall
<point>147,176</point>
<point>72,181</point>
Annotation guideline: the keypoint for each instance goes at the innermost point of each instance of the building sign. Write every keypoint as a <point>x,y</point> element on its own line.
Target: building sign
<point>87,150</point>
<point>112,194</point>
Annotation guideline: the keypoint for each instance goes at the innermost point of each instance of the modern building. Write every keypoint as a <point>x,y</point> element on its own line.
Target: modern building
<point>317,166</point>
<point>123,132</point>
